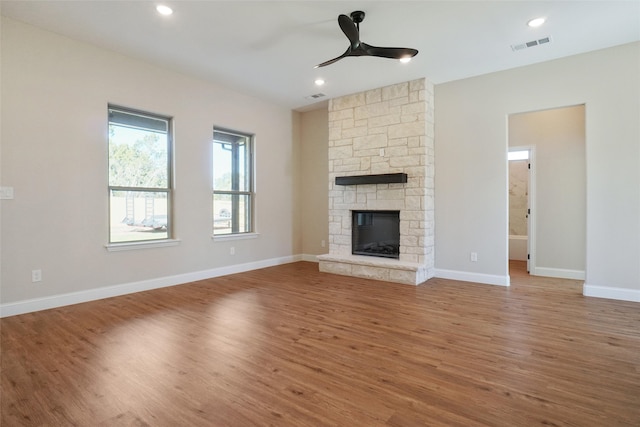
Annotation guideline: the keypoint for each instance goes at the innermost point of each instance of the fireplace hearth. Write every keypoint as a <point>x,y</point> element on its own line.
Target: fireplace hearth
<point>376,233</point>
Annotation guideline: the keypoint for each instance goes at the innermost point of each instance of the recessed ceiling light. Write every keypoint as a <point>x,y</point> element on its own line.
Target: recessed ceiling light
<point>319,82</point>
<point>164,10</point>
<point>536,22</point>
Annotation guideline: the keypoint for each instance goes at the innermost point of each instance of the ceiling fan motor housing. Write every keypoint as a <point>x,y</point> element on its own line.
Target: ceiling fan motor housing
<point>357,16</point>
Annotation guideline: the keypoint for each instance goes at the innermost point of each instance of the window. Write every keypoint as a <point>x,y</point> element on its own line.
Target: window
<point>518,155</point>
<point>139,176</point>
<point>232,182</point>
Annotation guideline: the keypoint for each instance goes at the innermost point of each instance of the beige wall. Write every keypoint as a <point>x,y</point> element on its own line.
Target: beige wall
<point>558,137</point>
<point>471,171</point>
<point>53,153</point>
<point>55,93</point>
<point>314,209</point>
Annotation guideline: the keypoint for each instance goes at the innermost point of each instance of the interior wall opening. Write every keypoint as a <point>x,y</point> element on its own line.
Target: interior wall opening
<point>550,194</point>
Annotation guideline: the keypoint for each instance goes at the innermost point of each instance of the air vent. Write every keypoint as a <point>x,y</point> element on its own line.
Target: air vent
<point>531,43</point>
<point>315,96</point>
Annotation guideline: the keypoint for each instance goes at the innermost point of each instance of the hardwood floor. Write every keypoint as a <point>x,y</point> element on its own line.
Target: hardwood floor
<point>289,346</point>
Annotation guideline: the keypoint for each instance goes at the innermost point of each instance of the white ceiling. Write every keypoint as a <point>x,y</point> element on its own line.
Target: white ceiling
<point>269,48</point>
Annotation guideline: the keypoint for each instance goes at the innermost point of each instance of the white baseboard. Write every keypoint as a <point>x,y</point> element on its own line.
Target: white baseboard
<point>624,294</point>
<point>37,304</point>
<point>45,303</point>
<point>560,273</point>
<point>310,258</point>
<point>465,276</point>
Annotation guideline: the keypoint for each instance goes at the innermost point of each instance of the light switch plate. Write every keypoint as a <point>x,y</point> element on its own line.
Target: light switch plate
<point>6,193</point>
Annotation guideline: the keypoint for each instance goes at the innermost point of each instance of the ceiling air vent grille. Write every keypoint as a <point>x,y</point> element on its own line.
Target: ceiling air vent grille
<point>532,43</point>
<point>316,96</point>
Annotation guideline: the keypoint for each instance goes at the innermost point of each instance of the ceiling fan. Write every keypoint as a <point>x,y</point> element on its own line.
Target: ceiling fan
<point>350,26</point>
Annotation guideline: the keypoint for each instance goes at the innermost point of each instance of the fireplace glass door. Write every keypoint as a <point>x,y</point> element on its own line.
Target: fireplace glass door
<point>376,233</point>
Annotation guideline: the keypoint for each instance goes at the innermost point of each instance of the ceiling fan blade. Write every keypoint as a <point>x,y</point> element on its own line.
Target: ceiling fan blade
<point>350,30</point>
<point>331,61</point>
<point>389,52</point>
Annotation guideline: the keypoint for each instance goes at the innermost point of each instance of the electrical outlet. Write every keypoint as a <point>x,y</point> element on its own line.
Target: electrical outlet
<point>323,243</point>
<point>474,257</point>
<point>232,250</point>
<point>36,275</point>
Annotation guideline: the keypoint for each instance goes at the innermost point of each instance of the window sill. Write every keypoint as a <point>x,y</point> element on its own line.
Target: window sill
<point>240,236</point>
<point>130,246</point>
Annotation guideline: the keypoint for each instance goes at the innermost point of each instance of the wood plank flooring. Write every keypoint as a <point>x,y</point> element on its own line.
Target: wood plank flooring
<point>289,346</point>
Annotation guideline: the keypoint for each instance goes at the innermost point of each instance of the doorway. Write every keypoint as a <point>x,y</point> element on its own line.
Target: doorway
<point>556,190</point>
<point>520,200</point>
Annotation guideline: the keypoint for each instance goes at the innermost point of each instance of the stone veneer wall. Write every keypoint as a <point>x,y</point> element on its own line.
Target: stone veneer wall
<point>384,130</point>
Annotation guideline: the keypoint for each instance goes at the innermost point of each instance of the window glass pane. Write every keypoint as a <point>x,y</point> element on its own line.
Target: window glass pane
<point>138,215</point>
<point>518,155</point>
<point>231,162</point>
<point>231,213</point>
<point>222,167</point>
<point>243,182</point>
<point>138,157</point>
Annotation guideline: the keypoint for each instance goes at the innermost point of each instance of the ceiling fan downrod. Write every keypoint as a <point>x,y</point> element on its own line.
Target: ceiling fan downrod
<point>357,16</point>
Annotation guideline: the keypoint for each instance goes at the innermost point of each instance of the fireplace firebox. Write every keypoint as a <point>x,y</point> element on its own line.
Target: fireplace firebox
<point>376,233</point>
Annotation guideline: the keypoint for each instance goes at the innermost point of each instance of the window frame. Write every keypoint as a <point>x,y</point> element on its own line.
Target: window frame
<point>250,193</point>
<point>168,190</point>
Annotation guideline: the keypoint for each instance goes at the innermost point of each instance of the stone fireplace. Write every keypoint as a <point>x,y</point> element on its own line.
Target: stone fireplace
<point>376,137</point>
